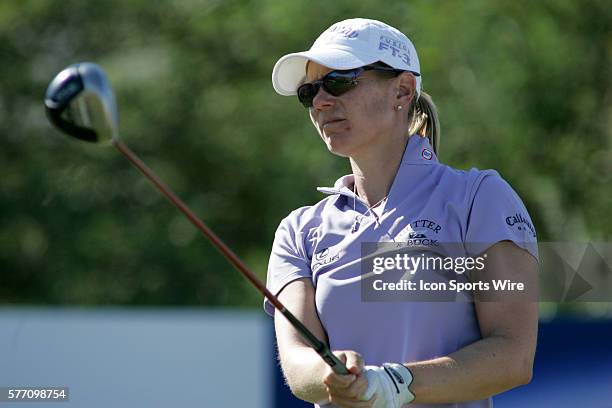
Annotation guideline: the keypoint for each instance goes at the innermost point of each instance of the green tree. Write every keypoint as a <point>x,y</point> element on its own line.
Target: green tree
<point>522,87</point>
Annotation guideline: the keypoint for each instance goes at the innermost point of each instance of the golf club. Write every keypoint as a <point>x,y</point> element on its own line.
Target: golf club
<point>80,102</point>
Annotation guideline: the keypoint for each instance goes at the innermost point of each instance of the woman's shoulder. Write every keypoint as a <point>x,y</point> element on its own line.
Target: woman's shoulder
<point>308,216</point>
<point>472,175</point>
<point>468,182</point>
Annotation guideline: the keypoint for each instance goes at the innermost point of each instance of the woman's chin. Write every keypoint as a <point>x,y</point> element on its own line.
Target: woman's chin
<point>337,153</point>
<point>341,150</point>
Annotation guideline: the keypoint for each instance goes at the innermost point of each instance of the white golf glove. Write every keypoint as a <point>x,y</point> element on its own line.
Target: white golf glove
<point>390,382</point>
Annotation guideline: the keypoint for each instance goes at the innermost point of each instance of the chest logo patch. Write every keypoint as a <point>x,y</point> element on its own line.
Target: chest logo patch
<point>420,233</point>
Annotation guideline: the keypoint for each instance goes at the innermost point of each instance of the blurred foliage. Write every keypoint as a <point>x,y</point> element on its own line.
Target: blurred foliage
<point>523,87</point>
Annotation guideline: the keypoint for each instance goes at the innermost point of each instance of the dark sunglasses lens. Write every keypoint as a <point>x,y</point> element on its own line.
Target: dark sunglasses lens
<point>335,83</point>
<point>339,84</point>
<point>306,94</point>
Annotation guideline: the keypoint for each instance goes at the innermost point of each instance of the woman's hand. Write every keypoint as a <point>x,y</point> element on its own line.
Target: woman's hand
<point>346,391</point>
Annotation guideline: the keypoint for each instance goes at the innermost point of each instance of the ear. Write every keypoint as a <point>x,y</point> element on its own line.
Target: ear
<point>406,90</point>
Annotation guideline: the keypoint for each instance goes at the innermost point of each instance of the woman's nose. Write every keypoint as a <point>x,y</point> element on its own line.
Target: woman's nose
<point>322,99</point>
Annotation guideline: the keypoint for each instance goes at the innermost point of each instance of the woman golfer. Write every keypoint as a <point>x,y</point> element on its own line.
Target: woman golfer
<point>361,84</point>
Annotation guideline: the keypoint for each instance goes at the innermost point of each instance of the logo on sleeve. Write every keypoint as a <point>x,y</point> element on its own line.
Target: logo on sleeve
<point>427,154</point>
<point>322,254</point>
<point>323,258</point>
<point>521,222</point>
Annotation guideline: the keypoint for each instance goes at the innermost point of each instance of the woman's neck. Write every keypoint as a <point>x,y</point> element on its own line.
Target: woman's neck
<point>375,169</point>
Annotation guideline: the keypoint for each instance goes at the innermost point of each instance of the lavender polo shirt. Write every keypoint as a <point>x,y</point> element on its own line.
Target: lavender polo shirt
<point>322,242</point>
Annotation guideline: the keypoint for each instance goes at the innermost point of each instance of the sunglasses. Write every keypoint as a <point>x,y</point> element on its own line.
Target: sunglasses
<point>336,83</point>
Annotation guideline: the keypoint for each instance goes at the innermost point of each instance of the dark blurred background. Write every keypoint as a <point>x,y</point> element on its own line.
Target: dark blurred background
<point>522,87</point>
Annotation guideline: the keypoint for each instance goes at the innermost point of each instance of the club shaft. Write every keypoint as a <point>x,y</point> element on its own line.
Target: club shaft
<point>320,347</point>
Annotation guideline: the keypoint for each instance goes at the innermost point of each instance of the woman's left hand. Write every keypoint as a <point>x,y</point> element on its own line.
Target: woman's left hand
<point>346,391</point>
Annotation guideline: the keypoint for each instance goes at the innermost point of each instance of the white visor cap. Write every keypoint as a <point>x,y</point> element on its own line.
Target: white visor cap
<point>349,44</point>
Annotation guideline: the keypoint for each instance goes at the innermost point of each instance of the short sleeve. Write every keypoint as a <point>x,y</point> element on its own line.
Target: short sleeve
<point>288,260</point>
<point>498,214</point>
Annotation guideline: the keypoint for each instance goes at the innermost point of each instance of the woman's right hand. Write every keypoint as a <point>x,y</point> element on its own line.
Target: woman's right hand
<point>346,391</point>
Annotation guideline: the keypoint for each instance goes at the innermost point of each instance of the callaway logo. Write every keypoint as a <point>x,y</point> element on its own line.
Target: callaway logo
<point>518,218</point>
<point>322,258</point>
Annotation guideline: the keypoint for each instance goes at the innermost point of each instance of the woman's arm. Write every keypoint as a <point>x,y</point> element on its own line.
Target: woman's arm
<point>302,367</point>
<point>503,358</point>
<point>309,378</point>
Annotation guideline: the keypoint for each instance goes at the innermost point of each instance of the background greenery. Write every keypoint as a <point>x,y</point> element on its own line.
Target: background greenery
<point>522,86</point>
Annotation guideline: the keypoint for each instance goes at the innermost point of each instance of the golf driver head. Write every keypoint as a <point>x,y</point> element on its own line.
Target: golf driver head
<point>80,102</point>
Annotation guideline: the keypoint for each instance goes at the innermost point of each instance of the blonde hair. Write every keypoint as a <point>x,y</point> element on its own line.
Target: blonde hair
<point>423,120</point>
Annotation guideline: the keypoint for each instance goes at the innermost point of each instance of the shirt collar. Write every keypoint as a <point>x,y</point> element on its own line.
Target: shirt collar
<point>418,152</point>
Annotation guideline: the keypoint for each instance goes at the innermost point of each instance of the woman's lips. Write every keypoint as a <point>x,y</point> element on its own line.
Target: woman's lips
<point>333,123</point>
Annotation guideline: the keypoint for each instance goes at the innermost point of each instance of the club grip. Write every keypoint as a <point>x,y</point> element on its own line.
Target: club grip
<point>334,362</point>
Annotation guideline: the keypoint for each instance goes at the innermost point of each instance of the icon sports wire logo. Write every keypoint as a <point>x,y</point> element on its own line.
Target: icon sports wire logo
<point>567,272</point>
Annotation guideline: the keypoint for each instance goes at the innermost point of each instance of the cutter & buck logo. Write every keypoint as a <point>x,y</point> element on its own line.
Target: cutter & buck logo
<point>419,233</point>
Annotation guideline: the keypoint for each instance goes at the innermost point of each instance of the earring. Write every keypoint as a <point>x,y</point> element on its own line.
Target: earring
<point>398,108</point>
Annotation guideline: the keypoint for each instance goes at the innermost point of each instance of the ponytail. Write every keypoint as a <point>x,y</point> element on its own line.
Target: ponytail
<point>423,120</point>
